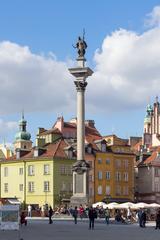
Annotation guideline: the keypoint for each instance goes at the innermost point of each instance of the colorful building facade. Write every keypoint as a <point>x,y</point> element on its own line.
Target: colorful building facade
<point>114,173</point>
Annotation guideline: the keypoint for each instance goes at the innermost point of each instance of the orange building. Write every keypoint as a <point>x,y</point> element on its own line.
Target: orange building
<point>114,171</point>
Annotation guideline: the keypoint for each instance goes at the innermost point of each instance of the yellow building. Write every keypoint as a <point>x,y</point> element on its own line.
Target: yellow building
<point>39,175</point>
<point>29,180</point>
<point>114,172</point>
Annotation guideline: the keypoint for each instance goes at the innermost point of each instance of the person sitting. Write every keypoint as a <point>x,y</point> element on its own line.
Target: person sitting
<point>23,219</point>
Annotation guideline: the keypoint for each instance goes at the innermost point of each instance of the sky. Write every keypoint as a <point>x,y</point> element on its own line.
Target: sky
<point>36,51</point>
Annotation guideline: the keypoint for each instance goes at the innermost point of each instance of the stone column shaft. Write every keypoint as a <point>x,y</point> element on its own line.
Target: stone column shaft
<point>80,125</point>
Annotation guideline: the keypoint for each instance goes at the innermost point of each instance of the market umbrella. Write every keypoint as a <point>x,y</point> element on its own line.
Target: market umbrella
<point>100,204</point>
<point>125,205</point>
<point>154,205</point>
<point>112,205</point>
<point>141,205</point>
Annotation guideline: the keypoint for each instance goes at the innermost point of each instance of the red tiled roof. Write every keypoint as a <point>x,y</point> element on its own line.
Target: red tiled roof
<point>151,158</point>
<point>70,125</point>
<point>136,147</point>
<point>52,130</point>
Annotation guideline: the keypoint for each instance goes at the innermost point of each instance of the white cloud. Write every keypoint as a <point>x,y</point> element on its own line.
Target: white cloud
<point>153,18</point>
<point>127,71</point>
<point>32,82</point>
<point>6,127</point>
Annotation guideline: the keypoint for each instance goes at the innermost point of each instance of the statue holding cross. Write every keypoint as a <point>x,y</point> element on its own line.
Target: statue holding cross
<point>81,46</point>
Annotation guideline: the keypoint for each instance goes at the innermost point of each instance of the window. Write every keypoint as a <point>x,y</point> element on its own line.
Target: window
<point>90,192</point>
<point>108,190</point>
<point>46,169</point>
<point>30,186</point>
<point>90,178</point>
<point>99,160</point>
<point>30,170</point>
<point>99,190</point>
<point>99,175</point>
<point>5,187</point>
<point>107,161</point>
<point>103,147</point>
<point>46,186</point>
<point>90,163</point>
<point>20,171</point>
<point>125,175</point>
<point>20,187</point>
<point>156,187</point>
<point>63,186</point>
<point>157,172</point>
<point>118,176</point>
<point>70,153</point>
<point>6,172</point>
<point>125,163</point>
<point>125,190</point>
<point>108,175</point>
<point>62,169</point>
<point>89,150</point>
<point>118,190</point>
<point>71,187</point>
<point>118,163</point>
<point>69,170</point>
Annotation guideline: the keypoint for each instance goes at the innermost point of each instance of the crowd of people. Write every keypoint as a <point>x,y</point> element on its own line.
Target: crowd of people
<point>119,215</point>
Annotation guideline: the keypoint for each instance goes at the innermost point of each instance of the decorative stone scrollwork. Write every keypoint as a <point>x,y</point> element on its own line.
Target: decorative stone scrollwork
<point>80,85</point>
<point>80,167</point>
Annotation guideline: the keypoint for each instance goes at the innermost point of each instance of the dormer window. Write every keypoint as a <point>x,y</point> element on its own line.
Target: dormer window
<point>103,147</point>
<point>89,150</point>
<point>70,154</point>
<point>69,151</point>
<point>18,155</point>
<point>36,152</point>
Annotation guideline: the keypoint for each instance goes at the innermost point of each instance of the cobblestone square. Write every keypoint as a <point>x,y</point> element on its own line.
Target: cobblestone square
<point>67,230</point>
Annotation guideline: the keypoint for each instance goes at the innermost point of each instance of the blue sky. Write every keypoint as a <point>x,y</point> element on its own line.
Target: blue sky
<point>48,29</point>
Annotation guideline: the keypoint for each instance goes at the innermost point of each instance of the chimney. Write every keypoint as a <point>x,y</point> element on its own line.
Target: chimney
<point>59,124</point>
<point>90,123</point>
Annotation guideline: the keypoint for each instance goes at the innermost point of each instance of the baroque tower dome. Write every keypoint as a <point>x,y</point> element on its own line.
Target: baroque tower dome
<point>22,137</point>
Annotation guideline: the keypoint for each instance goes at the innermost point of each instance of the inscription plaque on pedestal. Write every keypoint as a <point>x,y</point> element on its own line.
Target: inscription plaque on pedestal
<point>79,183</point>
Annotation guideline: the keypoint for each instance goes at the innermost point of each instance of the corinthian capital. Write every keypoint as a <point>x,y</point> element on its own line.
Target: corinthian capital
<point>80,85</point>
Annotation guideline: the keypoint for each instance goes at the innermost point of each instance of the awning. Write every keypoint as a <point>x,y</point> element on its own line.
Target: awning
<point>13,201</point>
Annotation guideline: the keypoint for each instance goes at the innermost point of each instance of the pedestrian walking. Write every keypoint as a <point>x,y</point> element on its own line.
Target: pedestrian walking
<point>107,215</point>
<point>23,219</point>
<point>143,219</point>
<point>81,211</point>
<point>140,217</point>
<point>158,220</point>
<point>29,211</point>
<point>50,213</point>
<point>75,214</point>
<point>92,215</point>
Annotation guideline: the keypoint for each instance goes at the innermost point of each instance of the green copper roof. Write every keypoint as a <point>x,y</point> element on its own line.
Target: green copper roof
<point>149,108</point>
<point>22,134</point>
<point>149,111</point>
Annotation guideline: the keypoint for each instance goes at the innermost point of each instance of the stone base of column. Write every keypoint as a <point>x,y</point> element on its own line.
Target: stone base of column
<point>77,200</point>
<point>80,183</point>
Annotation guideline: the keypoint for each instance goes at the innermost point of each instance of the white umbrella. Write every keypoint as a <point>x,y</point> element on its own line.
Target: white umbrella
<point>154,205</point>
<point>125,205</point>
<point>100,204</point>
<point>111,205</point>
<point>141,205</point>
